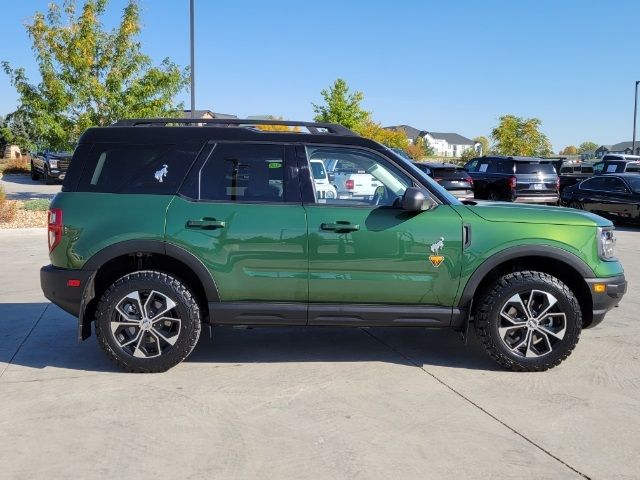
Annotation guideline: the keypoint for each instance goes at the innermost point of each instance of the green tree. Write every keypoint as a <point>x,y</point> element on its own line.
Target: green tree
<point>570,150</point>
<point>90,76</point>
<point>15,130</point>
<point>484,141</point>
<point>373,130</point>
<point>520,136</point>
<point>341,106</point>
<point>587,147</point>
<point>469,154</point>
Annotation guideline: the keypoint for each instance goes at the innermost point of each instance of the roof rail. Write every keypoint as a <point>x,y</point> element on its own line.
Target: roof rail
<point>313,127</point>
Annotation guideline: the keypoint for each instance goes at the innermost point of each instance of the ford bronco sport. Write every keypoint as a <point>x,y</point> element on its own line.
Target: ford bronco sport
<point>164,225</point>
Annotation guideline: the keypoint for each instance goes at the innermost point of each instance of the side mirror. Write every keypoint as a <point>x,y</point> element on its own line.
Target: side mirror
<point>413,200</point>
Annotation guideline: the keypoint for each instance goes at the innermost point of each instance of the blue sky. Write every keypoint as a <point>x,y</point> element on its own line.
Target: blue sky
<point>452,66</point>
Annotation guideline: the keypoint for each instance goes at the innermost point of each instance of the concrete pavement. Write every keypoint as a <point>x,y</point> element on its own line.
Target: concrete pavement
<point>309,403</point>
<point>21,187</point>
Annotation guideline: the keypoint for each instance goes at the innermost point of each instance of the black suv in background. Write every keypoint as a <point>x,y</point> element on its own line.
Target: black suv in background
<point>452,177</point>
<point>50,166</point>
<point>514,179</point>
<point>617,163</point>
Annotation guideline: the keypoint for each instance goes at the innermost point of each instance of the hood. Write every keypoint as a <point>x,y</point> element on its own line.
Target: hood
<point>522,213</point>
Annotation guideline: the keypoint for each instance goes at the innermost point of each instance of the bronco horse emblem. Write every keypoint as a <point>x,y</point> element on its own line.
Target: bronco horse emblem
<point>435,257</point>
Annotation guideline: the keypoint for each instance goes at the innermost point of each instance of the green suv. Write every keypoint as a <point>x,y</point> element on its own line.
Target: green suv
<point>164,225</point>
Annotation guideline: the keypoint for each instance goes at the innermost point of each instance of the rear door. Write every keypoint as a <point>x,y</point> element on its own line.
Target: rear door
<point>240,213</point>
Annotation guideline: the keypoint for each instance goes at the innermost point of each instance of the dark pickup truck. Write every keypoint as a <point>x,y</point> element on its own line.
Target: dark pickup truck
<point>573,173</point>
<point>51,166</point>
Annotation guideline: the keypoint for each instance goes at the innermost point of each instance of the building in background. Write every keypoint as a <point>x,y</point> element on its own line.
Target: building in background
<point>207,114</point>
<point>443,144</point>
<point>622,147</point>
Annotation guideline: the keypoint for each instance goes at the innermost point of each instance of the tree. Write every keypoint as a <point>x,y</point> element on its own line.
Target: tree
<point>15,130</point>
<point>484,142</point>
<point>90,76</point>
<point>277,128</point>
<point>587,147</point>
<point>520,136</point>
<point>469,154</point>
<point>373,130</point>
<point>570,150</point>
<point>341,106</point>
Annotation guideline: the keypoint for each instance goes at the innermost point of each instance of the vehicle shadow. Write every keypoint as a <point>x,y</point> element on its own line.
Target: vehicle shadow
<point>52,343</point>
<point>22,187</point>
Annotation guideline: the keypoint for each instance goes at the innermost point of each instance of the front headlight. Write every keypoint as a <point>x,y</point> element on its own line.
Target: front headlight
<point>53,163</point>
<point>606,243</point>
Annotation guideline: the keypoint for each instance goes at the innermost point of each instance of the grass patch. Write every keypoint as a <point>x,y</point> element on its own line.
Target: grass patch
<point>16,165</point>
<point>37,205</point>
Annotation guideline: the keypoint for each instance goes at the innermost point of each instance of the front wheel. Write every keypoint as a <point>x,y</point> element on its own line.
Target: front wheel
<point>47,178</point>
<point>528,321</point>
<point>34,174</point>
<point>148,322</point>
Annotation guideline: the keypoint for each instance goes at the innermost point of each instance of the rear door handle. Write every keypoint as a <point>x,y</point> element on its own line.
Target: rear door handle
<point>340,226</point>
<point>206,224</point>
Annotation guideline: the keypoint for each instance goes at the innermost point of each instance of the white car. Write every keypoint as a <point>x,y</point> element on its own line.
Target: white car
<point>352,181</point>
<point>324,189</point>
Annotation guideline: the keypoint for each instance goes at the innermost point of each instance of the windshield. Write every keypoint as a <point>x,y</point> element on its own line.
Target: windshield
<point>318,171</point>
<point>535,167</point>
<point>634,183</point>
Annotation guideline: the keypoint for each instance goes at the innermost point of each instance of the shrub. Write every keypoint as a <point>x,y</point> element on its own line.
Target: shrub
<point>17,165</point>
<point>37,205</point>
<point>8,208</point>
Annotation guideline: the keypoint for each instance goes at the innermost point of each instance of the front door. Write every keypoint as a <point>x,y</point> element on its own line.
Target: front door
<point>368,257</point>
<point>241,214</point>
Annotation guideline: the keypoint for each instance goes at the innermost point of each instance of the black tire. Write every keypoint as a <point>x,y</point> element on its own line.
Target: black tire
<point>34,174</point>
<point>184,334</point>
<point>493,196</point>
<point>576,205</point>
<point>497,297</point>
<point>47,179</point>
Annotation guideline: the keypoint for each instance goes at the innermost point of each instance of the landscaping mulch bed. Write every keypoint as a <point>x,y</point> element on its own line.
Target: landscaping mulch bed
<point>25,218</point>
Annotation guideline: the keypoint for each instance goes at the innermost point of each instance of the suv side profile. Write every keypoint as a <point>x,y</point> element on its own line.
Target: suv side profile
<point>514,179</point>
<point>166,225</point>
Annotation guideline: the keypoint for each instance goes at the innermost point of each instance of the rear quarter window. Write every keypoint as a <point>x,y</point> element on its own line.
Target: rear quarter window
<point>142,169</point>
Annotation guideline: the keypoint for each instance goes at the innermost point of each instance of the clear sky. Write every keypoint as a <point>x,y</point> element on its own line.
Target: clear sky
<point>445,66</point>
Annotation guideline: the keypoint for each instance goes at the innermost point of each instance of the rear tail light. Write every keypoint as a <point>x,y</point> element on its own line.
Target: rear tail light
<point>349,184</point>
<point>54,228</point>
<point>437,179</point>
<point>470,180</point>
<point>513,181</point>
<point>558,183</point>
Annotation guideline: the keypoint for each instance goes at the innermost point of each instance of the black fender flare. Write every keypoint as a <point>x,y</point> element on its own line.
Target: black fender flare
<point>164,248</point>
<point>512,253</point>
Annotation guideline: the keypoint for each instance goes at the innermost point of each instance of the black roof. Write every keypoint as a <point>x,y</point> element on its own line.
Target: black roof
<point>441,165</point>
<point>173,130</point>
<point>516,158</point>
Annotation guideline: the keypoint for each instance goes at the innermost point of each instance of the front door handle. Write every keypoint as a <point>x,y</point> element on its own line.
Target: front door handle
<point>340,226</point>
<point>206,224</point>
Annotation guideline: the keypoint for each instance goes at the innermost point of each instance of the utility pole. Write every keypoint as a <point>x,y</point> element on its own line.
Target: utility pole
<point>635,113</point>
<point>193,66</point>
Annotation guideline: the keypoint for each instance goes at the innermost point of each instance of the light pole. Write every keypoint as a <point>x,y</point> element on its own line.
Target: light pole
<point>193,72</point>
<point>635,113</point>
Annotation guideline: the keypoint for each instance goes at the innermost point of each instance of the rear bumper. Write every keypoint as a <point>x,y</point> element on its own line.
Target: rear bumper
<point>463,195</point>
<point>56,287</point>
<point>536,199</point>
<point>614,290</point>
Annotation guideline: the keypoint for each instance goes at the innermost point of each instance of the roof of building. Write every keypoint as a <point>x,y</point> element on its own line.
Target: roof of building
<point>622,146</point>
<point>452,138</point>
<point>409,131</point>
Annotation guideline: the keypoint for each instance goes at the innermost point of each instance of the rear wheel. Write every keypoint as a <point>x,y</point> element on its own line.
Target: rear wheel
<point>493,196</point>
<point>47,179</point>
<point>528,321</point>
<point>148,322</point>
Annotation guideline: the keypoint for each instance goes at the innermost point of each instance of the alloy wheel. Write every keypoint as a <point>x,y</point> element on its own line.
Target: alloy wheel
<point>532,323</point>
<point>145,324</point>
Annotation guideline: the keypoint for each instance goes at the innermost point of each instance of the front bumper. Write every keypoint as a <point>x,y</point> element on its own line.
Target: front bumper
<point>614,290</point>
<point>59,286</point>
<point>57,173</point>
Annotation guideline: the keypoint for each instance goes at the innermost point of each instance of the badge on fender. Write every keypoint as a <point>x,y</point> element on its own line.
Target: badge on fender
<point>435,257</point>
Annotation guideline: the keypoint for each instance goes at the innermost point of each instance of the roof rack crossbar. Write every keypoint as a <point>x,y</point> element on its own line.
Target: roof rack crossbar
<point>317,128</point>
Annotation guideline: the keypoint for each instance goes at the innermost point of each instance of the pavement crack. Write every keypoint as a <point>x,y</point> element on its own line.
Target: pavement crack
<point>24,340</point>
<point>474,404</point>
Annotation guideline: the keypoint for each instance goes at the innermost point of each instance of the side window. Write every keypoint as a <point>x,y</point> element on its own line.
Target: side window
<point>128,168</point>
<point>504,166</point>
<point>471,166</point>
<point>612,184</point>
<point>633,167</point>
<point>596,183</point>
<point>598,167</point>
<point>359,177</point>
<point>243,173</point>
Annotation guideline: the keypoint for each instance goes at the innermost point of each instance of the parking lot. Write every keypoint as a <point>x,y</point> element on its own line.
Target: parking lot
<point>310,403</point>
